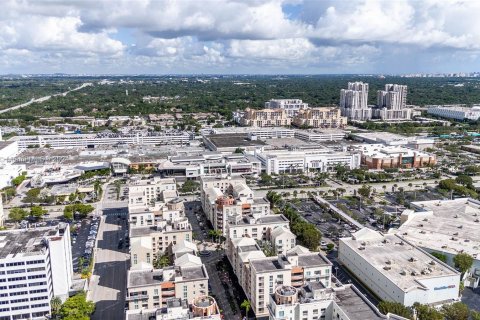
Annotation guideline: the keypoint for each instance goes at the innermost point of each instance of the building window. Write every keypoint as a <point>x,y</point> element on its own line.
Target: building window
<point>135,259</point>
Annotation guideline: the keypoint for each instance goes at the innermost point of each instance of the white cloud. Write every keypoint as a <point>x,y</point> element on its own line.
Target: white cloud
<point>228,34</point>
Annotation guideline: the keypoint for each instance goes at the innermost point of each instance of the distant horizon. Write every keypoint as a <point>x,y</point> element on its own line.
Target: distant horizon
<point>241,74</point>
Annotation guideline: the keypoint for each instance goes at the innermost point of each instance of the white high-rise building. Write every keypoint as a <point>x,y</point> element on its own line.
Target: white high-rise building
<point>353,101</point>
<point>35,266</point>
<point>392,103</point>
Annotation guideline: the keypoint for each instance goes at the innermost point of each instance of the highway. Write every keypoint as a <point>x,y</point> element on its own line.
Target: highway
<point>42,99</point>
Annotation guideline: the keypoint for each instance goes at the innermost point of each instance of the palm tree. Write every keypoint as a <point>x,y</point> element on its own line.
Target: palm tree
<point>246,304</point>
<point>55,305</point>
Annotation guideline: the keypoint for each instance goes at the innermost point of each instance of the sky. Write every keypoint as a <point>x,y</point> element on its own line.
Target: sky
<point>239,36</point>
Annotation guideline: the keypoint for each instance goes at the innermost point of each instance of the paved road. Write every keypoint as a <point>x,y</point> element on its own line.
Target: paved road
<point>192,208</point>
<point>108,284</point>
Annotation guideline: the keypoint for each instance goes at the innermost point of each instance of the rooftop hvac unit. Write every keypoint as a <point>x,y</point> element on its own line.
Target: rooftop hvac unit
<point>423,232</point>
<point>412,259</point>
<point>389,261</point>
<point>460,226</point>
<point>426,219</point>
<point>361,248</point>
<point>432,263</point>
<point>403,272</point>
<point>387,268</point>
<point>414,273</point>
<point>476,220</point>
<point>455,234</point>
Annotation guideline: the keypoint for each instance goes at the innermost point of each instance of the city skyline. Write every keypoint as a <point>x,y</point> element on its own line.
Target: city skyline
<point>231,37</point>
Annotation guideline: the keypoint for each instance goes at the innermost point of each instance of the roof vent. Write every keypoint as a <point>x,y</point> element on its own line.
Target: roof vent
<point>453,239</point>
<point>460,227</point>
<point>423,232</point>
<point>387,268</point>
<point>405,233</point>
<point>403,273</point>
<point>432,263</point>
<point>361,248</point>
<point>476,220</point>
<point>444,247</point>
<point>363,243</point>
<point>421,225</point>
<point>389,262</point>
<point>426,219</point>
<point>455,234</point>
<point>412,259</point>
<point>455,216</point>
<point>414,273</point>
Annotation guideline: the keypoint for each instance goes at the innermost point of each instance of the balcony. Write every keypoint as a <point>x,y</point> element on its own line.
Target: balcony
<point>137,297</point>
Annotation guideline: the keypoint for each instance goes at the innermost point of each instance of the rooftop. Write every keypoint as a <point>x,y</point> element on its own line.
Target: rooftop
<point>233,140</point>
<point>267,264</point>
<point>138,278</point>
<point>444,225</point>
<point>403,263</point>
<point>312,260</point>
<point>22,242</point>
<point>354,305</point>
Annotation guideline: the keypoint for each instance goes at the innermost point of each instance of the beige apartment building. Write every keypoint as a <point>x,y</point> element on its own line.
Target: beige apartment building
<point>265,118</point>
<point>151,288</point>
<point>225,200</point>
<point>264,275</point>
<point>147,192</point>
<point>147,243</point>
<point>326,117</point>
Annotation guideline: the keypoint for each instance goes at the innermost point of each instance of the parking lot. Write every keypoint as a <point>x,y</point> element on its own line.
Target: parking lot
<point>330,227</point>
<point>83,242</point>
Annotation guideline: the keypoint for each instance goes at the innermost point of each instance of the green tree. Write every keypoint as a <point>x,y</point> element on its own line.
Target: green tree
<point>395,308</point>
<point>55,305</point>
<point>239,150</point>
<point>310,237</point>
<point>17,214</point>
<point>425,312</point>
<point>9,193</point>
<point>455,311</point>
<point>161,261</point>
<point>18,180</point>
<point>364,191</point>
<point>447,184</point>
<point>475,315</point>
<point>72,197</point>
<point>274,198</point>
<point>463,262</point>
<point>32,195</point>
<point>190,186</point>
<point>37,211</point>
<point>246,305</point>
<point>464,180</point>
<point>439,256</point>
<point>330,246</point>
<point>77,307</point>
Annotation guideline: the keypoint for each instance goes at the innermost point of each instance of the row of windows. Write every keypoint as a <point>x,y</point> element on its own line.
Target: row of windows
<point>35,261</point>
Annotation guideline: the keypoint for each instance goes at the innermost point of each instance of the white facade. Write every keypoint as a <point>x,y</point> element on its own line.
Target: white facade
<point>455,112</point>
<point>323,160</point>
<point>396,270</point>
<point>69,141</point>
<point>291,106</point>
<point>8,150</point>
<point>35,266</point>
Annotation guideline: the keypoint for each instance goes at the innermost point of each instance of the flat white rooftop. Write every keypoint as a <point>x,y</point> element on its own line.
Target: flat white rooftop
<point>382,151</point>
<point>451,226</point>
<point>403,263</point>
